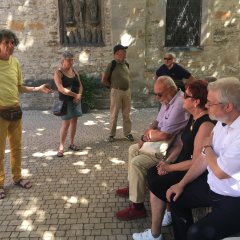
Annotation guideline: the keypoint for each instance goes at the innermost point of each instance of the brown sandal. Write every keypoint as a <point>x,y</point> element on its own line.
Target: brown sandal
<point>23,183</point>
<point>60,154</point>
<point>74,147</point>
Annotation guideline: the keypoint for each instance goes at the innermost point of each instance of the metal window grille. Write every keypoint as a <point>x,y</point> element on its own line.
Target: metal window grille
<point>183,23</point>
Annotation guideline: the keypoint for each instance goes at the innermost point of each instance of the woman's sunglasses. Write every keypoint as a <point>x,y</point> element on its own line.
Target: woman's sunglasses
<point>185,96</point>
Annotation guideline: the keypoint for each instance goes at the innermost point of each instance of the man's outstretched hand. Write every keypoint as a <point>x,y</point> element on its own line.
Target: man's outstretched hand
<point>44,88</point>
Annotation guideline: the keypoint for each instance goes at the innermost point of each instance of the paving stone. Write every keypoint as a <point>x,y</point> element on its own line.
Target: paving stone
<point>5,235</point>
<point>72,197</point>
<point>14,235</point>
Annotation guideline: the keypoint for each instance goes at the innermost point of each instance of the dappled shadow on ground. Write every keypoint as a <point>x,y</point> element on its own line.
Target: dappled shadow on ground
<point>73,196</point>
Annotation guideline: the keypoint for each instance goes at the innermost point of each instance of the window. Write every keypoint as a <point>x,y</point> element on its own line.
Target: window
<point>80,22</point>
<point>183,23</point>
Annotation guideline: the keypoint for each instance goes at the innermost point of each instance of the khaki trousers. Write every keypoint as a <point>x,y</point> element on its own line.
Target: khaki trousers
<point>120,100</point>
<point>13,131</point>
<point>138,165</point>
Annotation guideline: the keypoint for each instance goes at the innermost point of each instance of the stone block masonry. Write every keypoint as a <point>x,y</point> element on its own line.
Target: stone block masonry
<point>137,23</point>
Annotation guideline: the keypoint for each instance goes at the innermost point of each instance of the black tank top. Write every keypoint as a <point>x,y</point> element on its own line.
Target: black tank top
<point>70,83</point>
<point>189,135</point>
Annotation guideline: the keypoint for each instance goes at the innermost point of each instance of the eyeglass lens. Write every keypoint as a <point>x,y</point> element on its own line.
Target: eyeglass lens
<point>187,96</point>
<point>158,94</point>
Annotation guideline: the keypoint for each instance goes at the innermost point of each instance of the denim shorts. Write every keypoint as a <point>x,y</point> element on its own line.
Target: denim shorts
<point>73,110</point>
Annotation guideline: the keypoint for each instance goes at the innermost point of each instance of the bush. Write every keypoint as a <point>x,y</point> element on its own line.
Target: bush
<point>88,90</point>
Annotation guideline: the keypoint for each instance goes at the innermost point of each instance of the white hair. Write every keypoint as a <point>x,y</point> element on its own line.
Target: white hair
<point>171,54</point>
<point>167,81</point>
<point>228,90</point>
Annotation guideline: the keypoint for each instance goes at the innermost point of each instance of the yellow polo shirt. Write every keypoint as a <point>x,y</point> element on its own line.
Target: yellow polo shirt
<point>10,79</point>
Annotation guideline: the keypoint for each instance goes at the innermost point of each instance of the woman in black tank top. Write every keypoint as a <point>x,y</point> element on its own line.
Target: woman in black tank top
<point>70,90</point>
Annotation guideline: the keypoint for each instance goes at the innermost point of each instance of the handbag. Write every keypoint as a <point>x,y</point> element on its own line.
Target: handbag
<point>156,149</point>
<point>12,114</point>
<point>59,108</point>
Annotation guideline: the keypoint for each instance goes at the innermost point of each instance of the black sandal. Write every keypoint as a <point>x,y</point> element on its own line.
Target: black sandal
<point>60,154</point>
<point>23,183</point>
<point>2,193</point>
<point>73,147</point>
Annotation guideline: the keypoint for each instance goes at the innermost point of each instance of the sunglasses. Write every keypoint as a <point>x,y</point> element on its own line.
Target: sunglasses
<point>9,41</point>
<point>158,94</point>
<point>167,59</point>
<point>185,96</point>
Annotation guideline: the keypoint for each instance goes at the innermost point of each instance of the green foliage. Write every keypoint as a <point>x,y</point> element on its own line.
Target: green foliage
<point>88,90</point>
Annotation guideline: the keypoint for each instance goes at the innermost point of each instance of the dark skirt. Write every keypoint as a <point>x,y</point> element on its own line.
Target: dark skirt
<point>159,184</point>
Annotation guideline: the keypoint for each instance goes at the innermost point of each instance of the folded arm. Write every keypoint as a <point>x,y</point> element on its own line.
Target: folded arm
<point>211,159</point>
<point>63,90</point>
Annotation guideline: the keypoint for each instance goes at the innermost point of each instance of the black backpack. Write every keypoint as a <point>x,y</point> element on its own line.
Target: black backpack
<point>114,63</point>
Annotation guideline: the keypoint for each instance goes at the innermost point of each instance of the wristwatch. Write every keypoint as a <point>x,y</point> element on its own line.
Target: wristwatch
<point>204,149</point>
<point>142,138</point>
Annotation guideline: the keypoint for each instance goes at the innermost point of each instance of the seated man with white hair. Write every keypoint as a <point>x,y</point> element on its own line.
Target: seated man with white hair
<point>170,121</point>
<point>214,178</point>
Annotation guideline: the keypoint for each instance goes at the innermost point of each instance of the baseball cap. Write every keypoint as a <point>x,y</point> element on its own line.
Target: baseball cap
<point>118,47</point>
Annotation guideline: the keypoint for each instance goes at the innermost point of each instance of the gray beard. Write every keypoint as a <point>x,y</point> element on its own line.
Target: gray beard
<point>220,119</point>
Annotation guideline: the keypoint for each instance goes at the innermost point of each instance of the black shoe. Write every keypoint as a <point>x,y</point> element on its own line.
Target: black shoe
<point>129,137</point>
<point>110,139</point>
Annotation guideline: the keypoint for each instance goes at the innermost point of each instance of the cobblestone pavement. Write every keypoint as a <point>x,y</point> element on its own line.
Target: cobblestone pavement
<point>72,197</point>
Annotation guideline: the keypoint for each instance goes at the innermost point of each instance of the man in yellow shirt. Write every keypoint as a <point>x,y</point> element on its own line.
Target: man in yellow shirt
<point>11,84</point>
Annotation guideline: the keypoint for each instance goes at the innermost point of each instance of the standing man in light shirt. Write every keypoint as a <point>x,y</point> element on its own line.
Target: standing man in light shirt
<point>214,179</point>
<point>117,77</point>
<point>11,84</point>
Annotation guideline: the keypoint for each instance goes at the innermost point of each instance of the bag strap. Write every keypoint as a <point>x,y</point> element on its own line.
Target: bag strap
<point>114,63</point>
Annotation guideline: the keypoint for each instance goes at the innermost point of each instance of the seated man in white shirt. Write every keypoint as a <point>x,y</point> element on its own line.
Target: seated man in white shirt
<point>219,186</point>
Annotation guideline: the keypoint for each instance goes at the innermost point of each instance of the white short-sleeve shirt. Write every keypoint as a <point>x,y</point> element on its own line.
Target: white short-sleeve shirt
<point>226,144</point>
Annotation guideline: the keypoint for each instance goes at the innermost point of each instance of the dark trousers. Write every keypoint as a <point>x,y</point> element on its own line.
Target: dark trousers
<point>159,184</point>
<point>222,222</point>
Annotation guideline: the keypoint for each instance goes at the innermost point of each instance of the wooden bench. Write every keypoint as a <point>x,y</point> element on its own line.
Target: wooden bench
<point>198,213</point>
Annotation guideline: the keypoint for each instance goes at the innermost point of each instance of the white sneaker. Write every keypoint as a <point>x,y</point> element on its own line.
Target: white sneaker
<point>167,219</point>
<point>146,235</point>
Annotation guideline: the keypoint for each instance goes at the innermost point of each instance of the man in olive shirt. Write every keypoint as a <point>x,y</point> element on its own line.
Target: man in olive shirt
<point>120,95</point>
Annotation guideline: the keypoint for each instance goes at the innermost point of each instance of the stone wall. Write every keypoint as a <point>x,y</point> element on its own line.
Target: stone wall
<point>138,23</point>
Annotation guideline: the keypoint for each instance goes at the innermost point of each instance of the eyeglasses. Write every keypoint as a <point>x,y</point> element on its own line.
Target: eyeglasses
<point>167,59</point>
<point>158,94</point>
<point>185,96</point>
<point>209,104</point>
<point>6,42</point>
